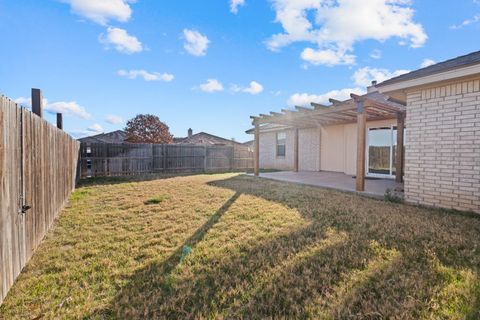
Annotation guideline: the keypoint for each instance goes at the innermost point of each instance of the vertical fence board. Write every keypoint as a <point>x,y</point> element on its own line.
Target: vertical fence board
<point>37,162</point>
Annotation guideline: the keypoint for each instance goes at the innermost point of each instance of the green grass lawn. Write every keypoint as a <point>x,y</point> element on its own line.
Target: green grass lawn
<point>230,246</point>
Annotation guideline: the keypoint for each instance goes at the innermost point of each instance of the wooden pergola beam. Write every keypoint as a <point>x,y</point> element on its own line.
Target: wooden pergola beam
<point>337,116</point>
<point>299,108</point>
<point>317,106</point>
<point>276,113</point>
<point>341,112</point>
<point>336,102</point>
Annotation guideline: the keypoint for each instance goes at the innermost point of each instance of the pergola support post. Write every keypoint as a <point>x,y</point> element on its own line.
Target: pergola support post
<point>295,150</point>
<point>399,162</point>
<point>361,146</point>
<point>256,165</point>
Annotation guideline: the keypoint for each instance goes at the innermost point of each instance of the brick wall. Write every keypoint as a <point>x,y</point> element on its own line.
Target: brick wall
<point>268,153</point>
<point>442,152</point>
<point>309,150</point>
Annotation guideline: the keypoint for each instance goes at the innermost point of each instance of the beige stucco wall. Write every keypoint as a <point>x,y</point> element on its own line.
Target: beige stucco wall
<point>442,153</point>
<point>339,146</point>
<point>309,149</point>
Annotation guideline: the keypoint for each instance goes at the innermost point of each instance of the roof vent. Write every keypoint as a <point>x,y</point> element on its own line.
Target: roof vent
<point>374,82</point>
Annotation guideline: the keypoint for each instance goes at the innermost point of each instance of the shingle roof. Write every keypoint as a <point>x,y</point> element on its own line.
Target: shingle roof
<point>206,138</point>
<point>118,136</point>
<point>462,61</point>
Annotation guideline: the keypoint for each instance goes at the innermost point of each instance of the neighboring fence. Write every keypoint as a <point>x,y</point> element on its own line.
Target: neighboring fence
<point>116,159</point>
<point>37,169</point>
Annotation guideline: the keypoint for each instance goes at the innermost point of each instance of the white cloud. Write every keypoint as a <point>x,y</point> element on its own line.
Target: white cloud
<point>304,99</point>
<point>147,76</point>
<point>121,41</point>
<point>254,88</point>
<point>27,102</point>
<point>113,119</point>
<point>335,26</point>
<point>68,108</point>
<point>427,63</point>
<point>101,11</point>
<point>474,19</point>
<point>95,128</point>
<point>327,57</point>
<point>235,4</point>
<point>363,77</point>
<point>212,85</point>
<point>195,43</point>
<point>376,54</point>
<point>71,108</point>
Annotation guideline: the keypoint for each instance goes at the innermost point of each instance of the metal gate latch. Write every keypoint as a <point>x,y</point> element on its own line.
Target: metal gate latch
<point>25,208</point>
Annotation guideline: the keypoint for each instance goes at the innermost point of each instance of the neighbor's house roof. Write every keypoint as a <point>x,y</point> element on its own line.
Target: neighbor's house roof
<point>118,136</point>
<point>206,139</point>
<point>454,68</point>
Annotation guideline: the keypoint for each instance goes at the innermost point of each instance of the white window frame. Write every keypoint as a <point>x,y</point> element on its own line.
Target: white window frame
<point>390,175</point>
<point>284,144</point>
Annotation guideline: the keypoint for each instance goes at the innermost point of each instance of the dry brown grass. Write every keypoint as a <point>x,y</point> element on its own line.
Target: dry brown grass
<point>228,246</point>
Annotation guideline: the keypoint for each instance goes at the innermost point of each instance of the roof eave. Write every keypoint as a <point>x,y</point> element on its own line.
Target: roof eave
<point>468,71</point>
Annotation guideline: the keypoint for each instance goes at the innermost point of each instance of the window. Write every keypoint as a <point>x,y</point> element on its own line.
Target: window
<point>281,137</point>
<point>382,149</point>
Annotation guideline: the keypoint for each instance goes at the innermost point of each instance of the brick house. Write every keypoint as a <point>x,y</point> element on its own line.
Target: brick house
<point>421,128</point>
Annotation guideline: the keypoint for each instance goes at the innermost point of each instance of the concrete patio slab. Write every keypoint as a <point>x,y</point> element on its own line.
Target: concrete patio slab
<point>336,180</point>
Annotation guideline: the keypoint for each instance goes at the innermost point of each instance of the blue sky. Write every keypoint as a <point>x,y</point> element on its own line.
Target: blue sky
<point>211,64</point>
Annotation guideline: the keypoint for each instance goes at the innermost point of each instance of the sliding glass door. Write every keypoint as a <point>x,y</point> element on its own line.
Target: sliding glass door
<point>381,151</point>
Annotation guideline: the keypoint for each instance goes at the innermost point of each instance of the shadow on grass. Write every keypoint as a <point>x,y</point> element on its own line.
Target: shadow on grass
<point>355,258</point>
<point>95,181</point>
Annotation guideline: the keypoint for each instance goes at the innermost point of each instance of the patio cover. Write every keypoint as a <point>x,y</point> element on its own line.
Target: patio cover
<point>358,109</point>
<point>377,106</point>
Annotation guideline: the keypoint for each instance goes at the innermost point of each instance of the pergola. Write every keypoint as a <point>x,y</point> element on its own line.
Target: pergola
<point>359,109</point>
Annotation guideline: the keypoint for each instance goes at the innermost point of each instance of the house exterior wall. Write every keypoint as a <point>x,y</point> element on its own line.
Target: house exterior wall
<point>268,153</point>
<point>339,146</point>
<point>332,148</point>
<point>309,149</point>
<point>442,151</point>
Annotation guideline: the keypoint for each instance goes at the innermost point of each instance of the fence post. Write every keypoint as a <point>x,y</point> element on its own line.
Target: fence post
<point>37,102</point>
<point>205,159</point>
<point>164,157</point>
<point>232,159</point>
<point>152,169</point>
<point>60,121</point>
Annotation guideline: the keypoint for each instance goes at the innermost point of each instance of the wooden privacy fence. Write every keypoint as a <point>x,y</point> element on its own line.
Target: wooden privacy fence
<point>37,170</point>
<point>115,159</point>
